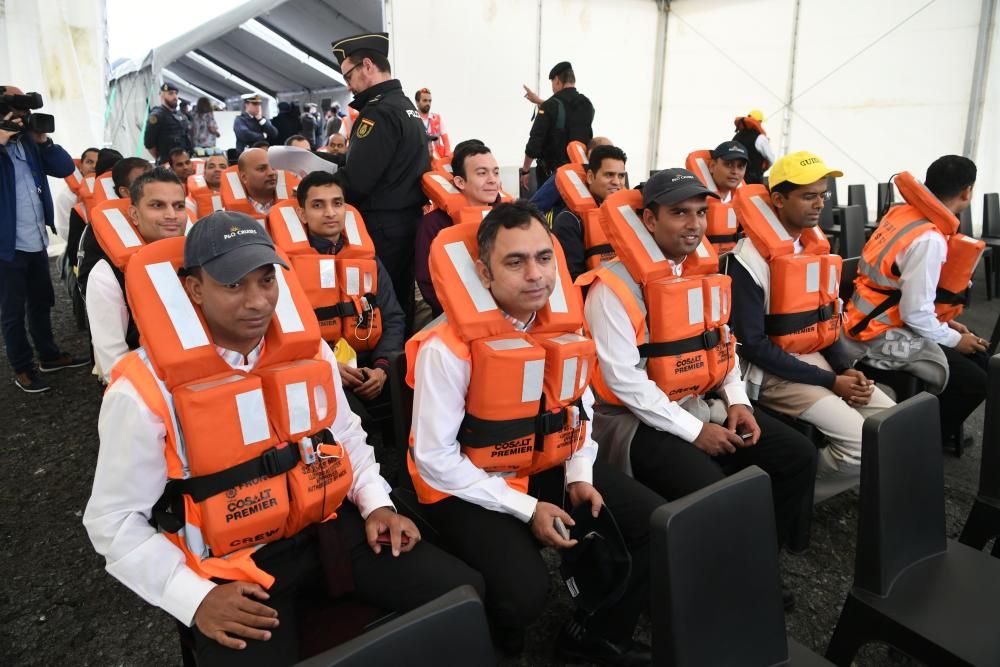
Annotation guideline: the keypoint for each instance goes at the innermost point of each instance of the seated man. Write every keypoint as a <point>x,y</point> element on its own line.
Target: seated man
<point>298,141</point>
<point>179,161</point>
<point>494,503</point>
<point>233,570</point>
<point>727,167</point>
<point>258,178</point>
<point>106,159</point>
<point>157,212</point>
<point>547,197</point>
<point>895,319</point>
<point>477,176</point>
<point>802,369</point>
<point>322,209</point>
<point>67,198</point>
<point>605,175</point>
<point>214,166</point>
<point>337,145</point>
<point>677,415</point>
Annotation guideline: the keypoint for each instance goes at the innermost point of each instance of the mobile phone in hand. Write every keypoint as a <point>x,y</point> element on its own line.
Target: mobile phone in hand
<point>385,538</point>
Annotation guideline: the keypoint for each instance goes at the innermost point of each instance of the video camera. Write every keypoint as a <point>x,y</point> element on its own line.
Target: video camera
<point>41,123</point>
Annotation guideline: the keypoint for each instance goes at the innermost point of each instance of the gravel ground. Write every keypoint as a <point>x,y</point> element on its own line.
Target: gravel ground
<point>60,607</point>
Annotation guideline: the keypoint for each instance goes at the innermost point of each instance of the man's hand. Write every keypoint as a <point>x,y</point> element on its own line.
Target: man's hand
<point>384,520</point>
<point>862,390</point>
<point>531,96</point>
<point>544,529</point>
<point>351,377</point>
<point>524,179</point>
<point>5,135</point>
<point>40,138</point>
<point>970,343</point>
<point>958,326</point>
<point>228,612</point>
<point>715,440</point>
<point>371,387</point>
<point>582,492</point>
<point>740,421</point>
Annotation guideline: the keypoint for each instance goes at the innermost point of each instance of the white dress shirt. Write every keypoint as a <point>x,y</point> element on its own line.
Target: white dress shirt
<point>621,369</point>
<point>763,146</point>
<point>132,473</point>
<point>107,314</point>
<point>64,204</point>
<point>442,383</point>
<point>920,269</point>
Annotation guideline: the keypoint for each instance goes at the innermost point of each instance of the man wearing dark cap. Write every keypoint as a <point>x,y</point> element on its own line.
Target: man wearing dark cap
<point>727,167</point>
<point>386,156</point>
<point>566,116</point>
<point>250,126</point>
<point>167,126</point>
<point>286,122</point>
<point>241,609</point>
<point>678,446</point>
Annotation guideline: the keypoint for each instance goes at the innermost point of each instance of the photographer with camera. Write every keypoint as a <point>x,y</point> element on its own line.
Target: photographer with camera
<point>27,157</point>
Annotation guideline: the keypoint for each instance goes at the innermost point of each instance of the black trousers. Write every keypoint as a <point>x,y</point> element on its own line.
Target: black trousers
<point>26,294</point>
<point>394,234</point>
<point>674,467</point>
<point>394,584</point>
<point>965,390</point>
<point>505,551</point>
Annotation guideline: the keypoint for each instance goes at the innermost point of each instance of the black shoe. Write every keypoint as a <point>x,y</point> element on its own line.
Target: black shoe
<point>59,363</point>
<point>577,643</point>
<point>31,383</point>
<point>787,597</point>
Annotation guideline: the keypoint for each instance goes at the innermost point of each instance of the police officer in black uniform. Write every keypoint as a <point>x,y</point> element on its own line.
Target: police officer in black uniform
<point>251,127</point>
<point>167,126</point>
<point>566,116</point>
<point>386,156</point>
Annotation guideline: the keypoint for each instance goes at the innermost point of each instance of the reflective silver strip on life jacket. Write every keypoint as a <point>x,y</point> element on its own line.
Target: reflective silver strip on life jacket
<point>464,265</point>
<point>253,416</point>
<point>297,400</point>
<point>812,276</point>
<point>90,183</point>
<point>866,308</point>
<point>569,384</point>
<point>731,222</point>
<point>834,286</point>
<point>123,228</point>
<point>352,278</point>
<point>504,344</point>
<point>293,224</point>
<point>199,180</point>
<point>871,272</point>
<point>696,305</point>
<point>188,224</point>
<point>702,249</point>
<point>190,205</point>
<point>533,372</point>
<point>351,228</point>
<point>235,185</point>
<point>176,303</point>
<point>578,185</point>
<point>327,273</point>
<point>772,220</point>
<point>77,175</point>
<point>216,203</point>
<point>716,305</point>
<point>557,300</point>
<point>281,188</point>
<point>285,310</point>
<point>635,289</point>
<point>645,238</point>
<point>706,175</point>
<point>179,447</point>
<point>581,153</point>
<point>108,185</point>
<point>444,183</point>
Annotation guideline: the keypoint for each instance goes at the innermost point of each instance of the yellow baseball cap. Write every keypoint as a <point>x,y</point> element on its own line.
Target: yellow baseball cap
<point>757,115</point>
<point>801,168</point>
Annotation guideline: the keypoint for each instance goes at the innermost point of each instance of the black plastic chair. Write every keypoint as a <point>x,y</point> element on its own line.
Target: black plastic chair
<point>852,231</point>
<point>932,598</point>
<point>858,196</point>
<point>448,632</point>
<point>831,187</point>
<point>983,523</point>
<point>716,596</point>
<point>402,399</point>
<point>886,198</point>
<point>991,235</point>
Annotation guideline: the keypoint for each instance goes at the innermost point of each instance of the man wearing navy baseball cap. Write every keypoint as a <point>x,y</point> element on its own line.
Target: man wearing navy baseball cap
<point>728,166</point>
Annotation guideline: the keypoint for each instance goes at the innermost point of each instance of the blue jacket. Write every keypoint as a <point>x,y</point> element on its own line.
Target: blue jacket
<point>45,160</point>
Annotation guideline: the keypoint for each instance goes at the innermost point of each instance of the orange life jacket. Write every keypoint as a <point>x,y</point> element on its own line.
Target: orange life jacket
<point>199,166</point>
<point>803,305</point>
<point>522,412</point>
<point>73,180</point>
<point>874,307</point>
<point>681,323</point>
<point>440,188</point>
<point>441,164</point>
<point>117,235</point>
<point>341,288</point>
<point>576,151</point>
<point>249,459</point>
<point>234,196</point>
<point>723,229</point>
<point>94,190</point>
<point>572,185</point>
<point>201,199</point>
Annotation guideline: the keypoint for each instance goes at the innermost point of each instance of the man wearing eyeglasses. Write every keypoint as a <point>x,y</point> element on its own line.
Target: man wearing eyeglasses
<point>386,155</point>
<point>790,370</point>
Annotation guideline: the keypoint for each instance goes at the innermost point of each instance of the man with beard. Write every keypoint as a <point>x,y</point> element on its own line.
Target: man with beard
<point>438,144</point>
<point>167,127</point>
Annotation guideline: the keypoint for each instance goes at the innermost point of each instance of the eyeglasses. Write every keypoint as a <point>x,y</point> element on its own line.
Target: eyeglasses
<point>813,196</point>
<point>348,73</point>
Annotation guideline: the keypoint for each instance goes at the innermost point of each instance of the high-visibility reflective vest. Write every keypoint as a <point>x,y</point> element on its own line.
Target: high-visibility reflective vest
<point>723,229</point>
<point>249,457</point>
<point>73,180</point>
<point>874,307</point>
<point>576,151</point>
<point>803,309</point>
<point>681,323</point>
<point>234,196</point>
<point>341,288</point>
<point>201,199</point>
<point>572,185</point>
<point>523,412</point>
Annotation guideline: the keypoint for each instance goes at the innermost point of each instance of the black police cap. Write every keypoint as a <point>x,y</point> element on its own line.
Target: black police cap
<point>369,41</point>
<point>559,69</point>
<point>168,88</point>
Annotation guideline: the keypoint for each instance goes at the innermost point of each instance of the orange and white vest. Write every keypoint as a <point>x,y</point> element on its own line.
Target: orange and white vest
<point>94,190</point>
<point>441,164</point>
<point>681,323</point>
<point>117,235</point>
<point>523,412</point>
<point>874,307</point>
<point>199,166</point>
<point>572,185</point>
<point>576,151</point>
<point>723,230</point>
<point>341,288</point>
<point>249,457</point>
<point>801,291</point>
<point>73,180</point>
<point>440,188</point>
<point>434,127</point>
<point>201,199</point>
<point>234,196</point>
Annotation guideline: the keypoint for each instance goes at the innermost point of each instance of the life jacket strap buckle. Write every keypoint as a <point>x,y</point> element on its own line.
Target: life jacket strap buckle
<point>711,338</point>
<point>551,422</point>
<point>330,451</point>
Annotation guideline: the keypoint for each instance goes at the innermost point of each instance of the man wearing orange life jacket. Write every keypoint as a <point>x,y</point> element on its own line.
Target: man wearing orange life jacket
<point>259,180</point>
<point>606,175</point>
<point>214,166</point>
<point>478,378</point>
<point>438,143</point>
<point>721,171</point>
<point>65,201</point>
<point>673,409</point>
<point>787,316</point>
<point>322,209</point>
<point>477,176</point>
<point>171,431</point>
<point>901,315</point>
<point>750,133</point>
<point>156,212</point>
<point>179,161</point>
<point>337,144</point>
<point>203,191</point>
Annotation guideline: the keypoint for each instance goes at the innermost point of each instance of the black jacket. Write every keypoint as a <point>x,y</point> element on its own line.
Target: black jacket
<point>566,116</point>
<point>387,153</point>
<point>166,130</point>
<point>288,124</point>
<point>250,130</point>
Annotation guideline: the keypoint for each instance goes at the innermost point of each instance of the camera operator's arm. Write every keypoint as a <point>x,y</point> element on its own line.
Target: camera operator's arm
<point>55,160</point>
